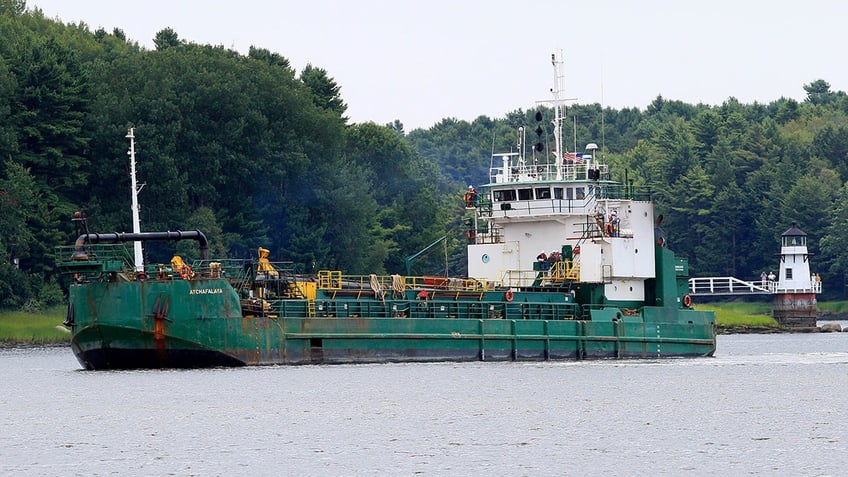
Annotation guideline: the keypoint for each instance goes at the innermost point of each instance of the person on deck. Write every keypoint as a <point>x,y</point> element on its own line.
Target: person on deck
<point>614,223</point>
<point>542,258</point>
<point>471,197</point>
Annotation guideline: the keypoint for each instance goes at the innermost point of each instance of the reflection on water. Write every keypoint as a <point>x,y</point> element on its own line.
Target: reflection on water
<point>765,404</point>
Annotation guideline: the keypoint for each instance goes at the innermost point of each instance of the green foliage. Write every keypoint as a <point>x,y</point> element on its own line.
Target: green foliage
<point>325,91</point>
<point>27,291</point>
<point>17,207</point>
<point>404,188</point>
<point>252,154</point>
<point>741,314</point>
<point>166,38</point>
<point>204,220</point>
<point>838,307</point>
<point>41,327</point>
<point>818,92</point>
<point>12,8</point>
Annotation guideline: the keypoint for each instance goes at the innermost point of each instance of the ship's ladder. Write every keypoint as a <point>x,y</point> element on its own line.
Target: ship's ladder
<point>561,271</point>
<point>571,268</point>
<point>572,272</point>
<point>294,290</point>
<point>329,279</point>
<point>310,308</point>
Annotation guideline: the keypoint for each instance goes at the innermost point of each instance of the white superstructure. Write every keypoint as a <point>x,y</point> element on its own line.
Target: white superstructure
<point>566,205</point>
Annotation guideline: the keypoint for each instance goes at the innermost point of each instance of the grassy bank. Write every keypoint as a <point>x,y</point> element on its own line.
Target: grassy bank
<point>45,328</point>
<point>836,310</point>
<point>740,317</point>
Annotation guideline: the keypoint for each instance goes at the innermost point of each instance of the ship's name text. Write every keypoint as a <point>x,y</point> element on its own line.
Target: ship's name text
<point>207,291</point>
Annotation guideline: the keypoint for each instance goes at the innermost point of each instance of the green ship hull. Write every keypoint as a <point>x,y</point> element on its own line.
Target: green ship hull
<point>268,341</point>
<point>565,263</point>
<point>298,341</point>
<point>166,321</point>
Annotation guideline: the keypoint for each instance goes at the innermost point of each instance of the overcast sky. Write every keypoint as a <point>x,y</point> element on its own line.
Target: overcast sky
<point>422,61</point>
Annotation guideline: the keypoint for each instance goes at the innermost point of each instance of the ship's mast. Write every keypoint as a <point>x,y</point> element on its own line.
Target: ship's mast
<point>559,79</point>
<point>558,103</point>
<point>139,260</point>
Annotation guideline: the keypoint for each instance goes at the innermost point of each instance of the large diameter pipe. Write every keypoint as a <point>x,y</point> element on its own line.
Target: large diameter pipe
<point>120,237</point>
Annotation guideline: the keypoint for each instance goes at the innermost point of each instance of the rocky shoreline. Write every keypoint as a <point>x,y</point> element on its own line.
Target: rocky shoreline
<point>832,316</point>
<point>832,327</point>
<point>733,330</point>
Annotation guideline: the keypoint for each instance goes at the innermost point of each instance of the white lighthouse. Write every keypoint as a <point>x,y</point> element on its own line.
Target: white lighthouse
<point>796,288</point>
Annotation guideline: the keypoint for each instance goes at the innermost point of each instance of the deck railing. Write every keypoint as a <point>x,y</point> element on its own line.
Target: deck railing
<point>734,286</point>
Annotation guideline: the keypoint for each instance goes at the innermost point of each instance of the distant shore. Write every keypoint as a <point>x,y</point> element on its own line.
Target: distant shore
<point>742,329</point>
<point>29,344</point>
<point>22,329</point>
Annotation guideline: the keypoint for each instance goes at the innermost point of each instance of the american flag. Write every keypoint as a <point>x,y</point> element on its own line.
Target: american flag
<point>575,157</point>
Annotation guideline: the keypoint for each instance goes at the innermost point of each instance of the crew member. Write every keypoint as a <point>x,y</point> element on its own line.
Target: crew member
<point>614,221</point>
<point>542,258</point>
<point>471,197</point>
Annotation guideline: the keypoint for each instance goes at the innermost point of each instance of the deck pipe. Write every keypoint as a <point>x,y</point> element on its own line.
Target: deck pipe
<point>79,252</point>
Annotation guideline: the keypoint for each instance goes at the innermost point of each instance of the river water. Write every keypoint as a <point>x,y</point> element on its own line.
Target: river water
<point>764,405</point>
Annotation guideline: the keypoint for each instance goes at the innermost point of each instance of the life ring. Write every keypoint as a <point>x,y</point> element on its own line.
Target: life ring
<point>576,250</point>
<point>687,301</point>
<point>470,234</point>
<point>509,295</point>
<point>184,272</point>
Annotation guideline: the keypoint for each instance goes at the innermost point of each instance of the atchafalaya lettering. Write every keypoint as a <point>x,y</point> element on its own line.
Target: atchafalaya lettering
<point>206,291</point>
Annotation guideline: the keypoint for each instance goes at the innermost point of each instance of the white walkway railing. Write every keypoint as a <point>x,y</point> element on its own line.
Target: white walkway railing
<point>729,286</point>
<point>735,286</point>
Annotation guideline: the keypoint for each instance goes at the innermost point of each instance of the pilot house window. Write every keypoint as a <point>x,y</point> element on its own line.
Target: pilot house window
<point>543,193</point>
<point>504,195</point>
<point>580,194</point>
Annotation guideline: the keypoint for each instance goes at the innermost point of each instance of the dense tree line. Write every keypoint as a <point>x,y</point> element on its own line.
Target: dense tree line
<point>255,153</point>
